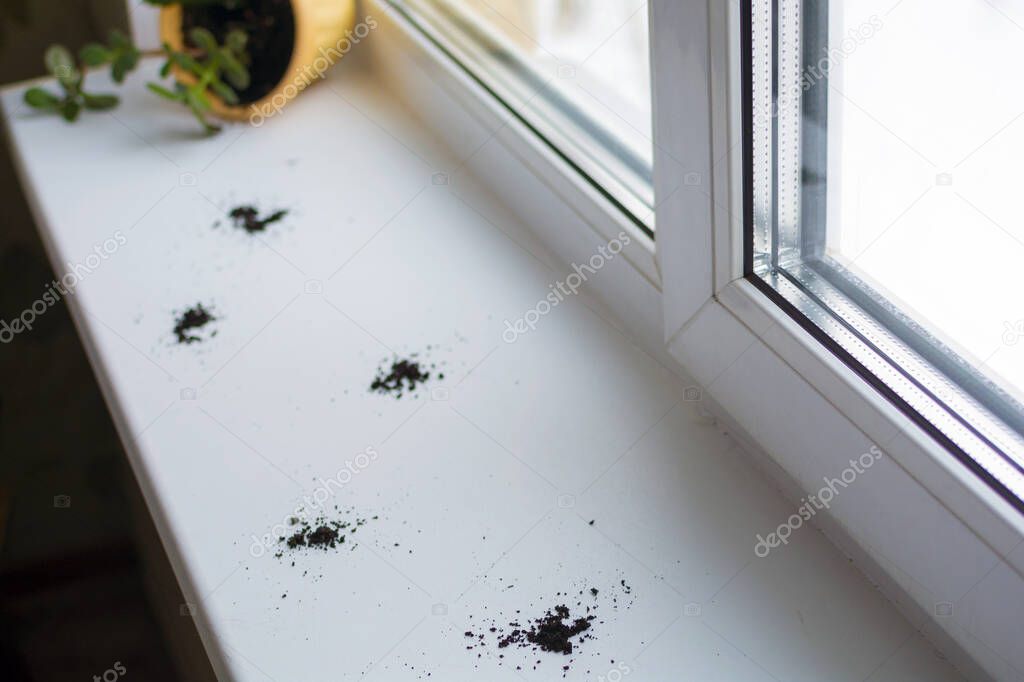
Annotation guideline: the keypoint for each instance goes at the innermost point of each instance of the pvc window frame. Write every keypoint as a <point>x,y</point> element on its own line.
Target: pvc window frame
<point>784,255</point>
<point>579,134</point>
<point>697,76</point>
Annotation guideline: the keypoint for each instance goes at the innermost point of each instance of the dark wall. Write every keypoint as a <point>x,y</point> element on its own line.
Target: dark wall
<point>72,596</point>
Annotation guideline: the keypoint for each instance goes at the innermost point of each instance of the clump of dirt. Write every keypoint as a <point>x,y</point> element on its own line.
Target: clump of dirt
<point>321,533</point>
<point>248,218</point>
<point>403,376</point>
<point>321,536</point>
<point>551,632</point>
<point>192,319</point>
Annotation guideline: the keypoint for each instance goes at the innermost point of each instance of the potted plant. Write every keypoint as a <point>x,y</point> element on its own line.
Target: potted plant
<point>235,58</point>
<point>289,44</point>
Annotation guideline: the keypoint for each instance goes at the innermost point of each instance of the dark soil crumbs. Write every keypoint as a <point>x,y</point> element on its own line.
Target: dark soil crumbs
<point>270,26</point>
<point>192,319</point>
<point>321,533</point>
<point>403,376</point>
<point>248,218</point>
<point>553,632</point>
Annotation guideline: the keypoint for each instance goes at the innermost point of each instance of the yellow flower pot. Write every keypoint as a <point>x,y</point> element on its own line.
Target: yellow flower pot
<point>323,34</point>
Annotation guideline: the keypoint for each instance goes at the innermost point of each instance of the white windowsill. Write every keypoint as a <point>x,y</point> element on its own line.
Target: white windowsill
<point>574,408</point>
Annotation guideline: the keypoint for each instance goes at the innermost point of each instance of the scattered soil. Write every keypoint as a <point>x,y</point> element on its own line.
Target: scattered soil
<point>248,218</point>
<point>192,319</point>
<point>403,376</point>
<point>270,26</point>
<point>560,630</point>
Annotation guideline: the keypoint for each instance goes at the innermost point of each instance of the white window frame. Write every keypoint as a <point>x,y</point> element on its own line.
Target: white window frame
<point>700,247</point>
<point>600,216</point>
<point>715,318</point>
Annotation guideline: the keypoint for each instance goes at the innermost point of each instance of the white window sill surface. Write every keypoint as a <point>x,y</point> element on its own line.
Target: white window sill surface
<point>570,423</point>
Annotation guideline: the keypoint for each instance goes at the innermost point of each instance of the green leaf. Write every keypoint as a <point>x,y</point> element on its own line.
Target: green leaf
<point>99,102</point>
<point>131,57</point>
<point>41,99</point>
<point>72,81</point>
<point>197,99</point>
<point>122,65</point>
<point>224,92</point>
<point>62,65</point>
<point>165,70</point>
<point>236,40</point>
<point>187,62</point>
<point>203,39</point>
<point>120,41</point>
<point>210,128</point>
<point>58,60</point>
<point>164,92</point>
<point>70,109</point>
<point>237,74</point>
<point>95,54</point>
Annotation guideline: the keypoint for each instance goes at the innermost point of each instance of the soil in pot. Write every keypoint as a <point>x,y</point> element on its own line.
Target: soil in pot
<point>270,25</point>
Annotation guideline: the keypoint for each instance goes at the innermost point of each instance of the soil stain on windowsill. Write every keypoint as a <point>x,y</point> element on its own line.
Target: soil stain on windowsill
<point>320,533</point>
<point>553,632</point>
<point>191,321</point>
<point>561,629</point>
<point>404,375</point>
<point>248,218</point>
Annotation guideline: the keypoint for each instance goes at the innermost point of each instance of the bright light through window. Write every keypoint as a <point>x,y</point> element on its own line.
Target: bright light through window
<point>600,47</point>
<point>925,173</point>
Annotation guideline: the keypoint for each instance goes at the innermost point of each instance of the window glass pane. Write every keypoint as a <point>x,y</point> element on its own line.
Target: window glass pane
<point>883,181</point>
<point>577,71</point>
<point>926,170</point>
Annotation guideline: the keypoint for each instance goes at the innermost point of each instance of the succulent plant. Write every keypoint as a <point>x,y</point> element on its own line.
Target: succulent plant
<point>119,53</point>
<point>216,69</point>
